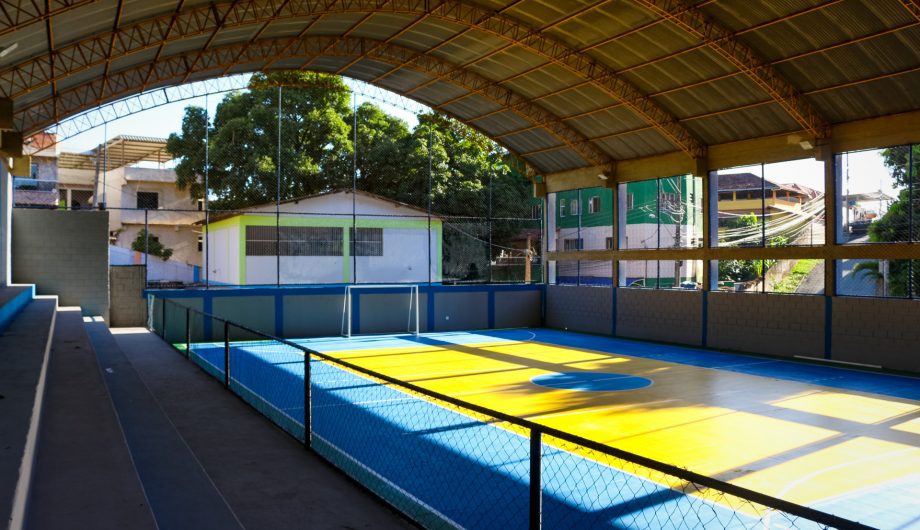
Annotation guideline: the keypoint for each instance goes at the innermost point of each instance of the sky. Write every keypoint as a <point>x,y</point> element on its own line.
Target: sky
<point>160,121</point>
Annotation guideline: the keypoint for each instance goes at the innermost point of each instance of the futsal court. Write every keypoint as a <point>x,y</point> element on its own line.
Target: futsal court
<point>843,441</point>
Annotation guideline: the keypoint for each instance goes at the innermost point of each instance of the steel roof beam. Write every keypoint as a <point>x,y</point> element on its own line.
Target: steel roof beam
<point>744,58</point>
<point>173,69</point>
<point>913,6</point>
<point>192,22</point>
<point>19,14</point>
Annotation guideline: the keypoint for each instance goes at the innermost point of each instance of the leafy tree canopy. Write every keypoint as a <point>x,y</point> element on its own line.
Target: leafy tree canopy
<point>317,151</point>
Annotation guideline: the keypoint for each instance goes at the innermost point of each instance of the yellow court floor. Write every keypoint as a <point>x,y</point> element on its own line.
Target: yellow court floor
<point>811,444</point>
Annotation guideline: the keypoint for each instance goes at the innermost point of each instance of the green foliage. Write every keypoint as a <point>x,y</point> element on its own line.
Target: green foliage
<point>743,221</point>
<point>790,283</point>
<point>151,245</point>
<point>318,155</point>
<point>739,270</point>
<point>895,224</point>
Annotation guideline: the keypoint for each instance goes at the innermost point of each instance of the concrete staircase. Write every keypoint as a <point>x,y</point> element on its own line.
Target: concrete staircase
<point>25,343</point>
<point>94,437</point>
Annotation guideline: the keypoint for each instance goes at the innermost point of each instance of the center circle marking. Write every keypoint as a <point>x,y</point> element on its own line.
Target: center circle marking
<point>591,381</point>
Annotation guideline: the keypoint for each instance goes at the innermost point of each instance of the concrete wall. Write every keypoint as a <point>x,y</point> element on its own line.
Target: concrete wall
<point>64,253</point>
<point>298,312</point>
<point>877,332</point>
<point>127,306</point>
<point>579,308</point>
<point>660,315</point>
<point>783,325</point>
<point>872,331</point>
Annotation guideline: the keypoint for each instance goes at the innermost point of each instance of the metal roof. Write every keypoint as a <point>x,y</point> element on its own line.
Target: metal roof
<point>120,151</point>
<point>563,84</point>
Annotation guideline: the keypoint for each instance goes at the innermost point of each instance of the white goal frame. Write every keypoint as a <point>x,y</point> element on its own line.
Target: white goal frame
<point>413,305</point>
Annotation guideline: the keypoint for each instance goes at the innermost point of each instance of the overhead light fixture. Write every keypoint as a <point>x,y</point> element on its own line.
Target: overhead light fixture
<point>806,145</point>
<point>602,176</point>
<point>5,50</point>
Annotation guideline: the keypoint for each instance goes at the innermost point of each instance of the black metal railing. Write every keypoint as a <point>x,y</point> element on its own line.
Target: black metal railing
<point>446,462</point>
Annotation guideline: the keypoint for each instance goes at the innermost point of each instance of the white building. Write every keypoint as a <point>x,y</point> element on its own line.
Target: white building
<point>394,242</point>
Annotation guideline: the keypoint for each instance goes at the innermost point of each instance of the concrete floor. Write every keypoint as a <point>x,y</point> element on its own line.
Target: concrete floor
<point>266,477</point>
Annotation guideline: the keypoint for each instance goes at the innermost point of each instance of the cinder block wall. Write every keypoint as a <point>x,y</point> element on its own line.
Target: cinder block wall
<point>667,316</point>
<point>64,253</point>
<point>783,325</point>
<point>299,312</point>
<point>877,332</point>
<point>579,308</point>
<point>127,306</point>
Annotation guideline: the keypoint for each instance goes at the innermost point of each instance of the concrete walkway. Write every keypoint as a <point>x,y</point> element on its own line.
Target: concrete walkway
<point>266,477</point>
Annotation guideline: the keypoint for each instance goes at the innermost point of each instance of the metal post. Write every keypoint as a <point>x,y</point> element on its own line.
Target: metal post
<point>536,483</point>
<point>163,317</point>
<point>354,197</point>
<point>429,205</point>
<point>226,354</point>
<point>188,333</point>
<point>307,404</point>
<point>278,200</point>
<point>146,248</point>
<point>207,217</point>
<point>105,158</point>
<point>489,219</point>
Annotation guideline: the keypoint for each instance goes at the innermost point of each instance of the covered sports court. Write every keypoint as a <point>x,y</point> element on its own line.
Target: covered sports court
<point>623,263</point>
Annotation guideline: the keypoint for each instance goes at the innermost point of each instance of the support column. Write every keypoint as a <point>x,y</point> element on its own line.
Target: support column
<point>6,219</point>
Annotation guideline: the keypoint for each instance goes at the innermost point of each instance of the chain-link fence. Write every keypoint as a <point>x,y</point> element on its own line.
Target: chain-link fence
<point>447,463</point>
<point>299,180</point>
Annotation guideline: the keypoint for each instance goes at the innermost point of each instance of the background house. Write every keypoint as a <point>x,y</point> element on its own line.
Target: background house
<point>660,213</point>
<point>316,237</point>
<point>113,174</point>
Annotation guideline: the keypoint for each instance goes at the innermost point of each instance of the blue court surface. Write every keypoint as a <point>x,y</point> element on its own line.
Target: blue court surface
<point>449,468</point>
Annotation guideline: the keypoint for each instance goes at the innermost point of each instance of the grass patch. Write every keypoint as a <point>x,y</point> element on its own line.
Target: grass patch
<point>794,278</point>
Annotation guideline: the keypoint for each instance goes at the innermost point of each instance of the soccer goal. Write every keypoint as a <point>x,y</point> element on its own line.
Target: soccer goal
<point>410,302</point>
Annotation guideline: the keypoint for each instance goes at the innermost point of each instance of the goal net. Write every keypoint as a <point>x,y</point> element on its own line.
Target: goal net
<point>404,296</point>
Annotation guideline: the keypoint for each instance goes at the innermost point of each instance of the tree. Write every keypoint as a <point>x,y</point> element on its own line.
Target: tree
<point>243,141</point>
<point>895,224</point>
<point>151,245</point>
<point>321,151</point>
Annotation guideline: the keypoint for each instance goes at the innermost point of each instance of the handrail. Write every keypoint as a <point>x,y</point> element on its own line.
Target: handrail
<point>538,429</point>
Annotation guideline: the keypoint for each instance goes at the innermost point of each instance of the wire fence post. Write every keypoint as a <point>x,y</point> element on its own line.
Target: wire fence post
<point>307,403</point>
<point>536,482</point>
<point>188,333</point>
<point>163,319</point>
<point>226,354</point>
<point>146,249</point>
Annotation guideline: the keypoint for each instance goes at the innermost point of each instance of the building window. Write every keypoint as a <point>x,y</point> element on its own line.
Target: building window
<point>293,241</point>
<point>535,211</point>
<point>573,244</point>
<point>367,242</point>
<point>200,204</point>
<point>594,204</point>
<point>34,169</point>
<point>148,200</point>
<point>573,206</point>
<point>562,208</point>
<point>200,244</point>
<point>609,243</point>
<point>630,201</point>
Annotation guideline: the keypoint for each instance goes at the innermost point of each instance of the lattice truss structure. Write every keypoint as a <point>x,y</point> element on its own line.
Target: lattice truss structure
<point>562,86</point>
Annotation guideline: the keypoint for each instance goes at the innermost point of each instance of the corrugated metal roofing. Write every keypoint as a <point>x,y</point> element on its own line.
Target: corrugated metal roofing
<point>583,82</point>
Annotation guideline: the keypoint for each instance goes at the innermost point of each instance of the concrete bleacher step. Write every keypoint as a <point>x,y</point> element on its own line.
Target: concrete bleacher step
<point>24,350</point>
<point>180,492</point>
<point>84,476</point>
